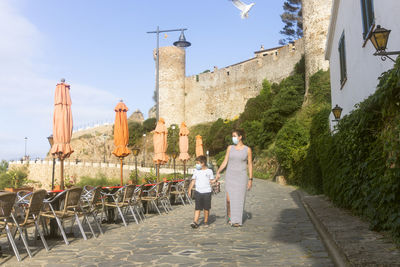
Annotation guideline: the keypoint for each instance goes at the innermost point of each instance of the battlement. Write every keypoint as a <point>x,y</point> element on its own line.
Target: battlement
<point>261,58</point>
<point>223,93</point>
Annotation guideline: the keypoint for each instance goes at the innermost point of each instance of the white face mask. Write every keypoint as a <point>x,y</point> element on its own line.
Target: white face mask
<point>235,140</point>
<point>198,166</point>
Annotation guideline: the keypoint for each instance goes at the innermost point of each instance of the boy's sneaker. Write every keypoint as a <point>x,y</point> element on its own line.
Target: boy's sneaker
<point>194,225</point>
<point>206,225</point>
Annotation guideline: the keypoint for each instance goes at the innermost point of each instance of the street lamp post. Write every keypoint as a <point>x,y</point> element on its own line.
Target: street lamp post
<point>144,150</point>
<point>104,154</point>
<point>180,43</point>
<point>26,141</point>
<point>135,152</point>
<point>50,138</point>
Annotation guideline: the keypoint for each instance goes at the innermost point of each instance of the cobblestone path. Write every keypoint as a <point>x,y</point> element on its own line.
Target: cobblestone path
<point>277,232</point>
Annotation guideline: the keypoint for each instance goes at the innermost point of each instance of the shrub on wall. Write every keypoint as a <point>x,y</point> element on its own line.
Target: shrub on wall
<point>362,168</point>
<point>298,143</point>
<point>358,167</point>
<point>219,136</point>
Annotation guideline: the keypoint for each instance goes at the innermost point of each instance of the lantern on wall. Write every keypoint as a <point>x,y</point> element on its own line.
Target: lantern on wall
<point>337,112</point>
<point>379,39</point>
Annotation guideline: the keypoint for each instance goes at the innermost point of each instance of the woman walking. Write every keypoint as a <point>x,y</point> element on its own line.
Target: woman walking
<point>238,157</point>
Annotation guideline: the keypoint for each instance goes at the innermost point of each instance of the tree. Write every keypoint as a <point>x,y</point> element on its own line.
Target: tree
<point>293,20</point>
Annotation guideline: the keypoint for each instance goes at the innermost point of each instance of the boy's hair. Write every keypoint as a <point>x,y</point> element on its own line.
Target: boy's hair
<point>202,159</point>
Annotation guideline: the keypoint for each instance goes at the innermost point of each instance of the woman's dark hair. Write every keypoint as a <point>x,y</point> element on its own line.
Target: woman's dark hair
<point>240,132</point>
<point>202,159</point>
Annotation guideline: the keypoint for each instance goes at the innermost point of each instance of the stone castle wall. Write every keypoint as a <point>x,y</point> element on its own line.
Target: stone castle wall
<point>223,93</point>
<point>172,84</point>
<point>316,18</point>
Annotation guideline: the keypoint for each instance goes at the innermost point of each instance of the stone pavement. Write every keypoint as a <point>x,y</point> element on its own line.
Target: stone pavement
<point>355,243</point>
<point>277,232</point>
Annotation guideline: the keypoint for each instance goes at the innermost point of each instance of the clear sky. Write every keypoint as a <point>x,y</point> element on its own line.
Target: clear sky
<point>102,50</point>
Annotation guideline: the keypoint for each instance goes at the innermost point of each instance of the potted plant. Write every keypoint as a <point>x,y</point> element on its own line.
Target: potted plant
<point>18,178</point>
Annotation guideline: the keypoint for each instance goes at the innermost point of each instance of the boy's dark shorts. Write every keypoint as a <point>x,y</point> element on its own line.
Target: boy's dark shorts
<point>202,200</point>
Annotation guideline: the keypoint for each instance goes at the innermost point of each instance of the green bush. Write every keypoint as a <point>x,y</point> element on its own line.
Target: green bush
<point>362,169</point>
<point>220,157</point>
<point>291,146</point>
<point>136,131</point>
<point>14,177</point>
<point>358,167</point>
<point>219,136</point>
<point>99,180</point>
<point>149,124</point>
<point>266,114</point>
<point>299,143</point>
<point>256,106</point>
<point>254,133</point>
<point>3,166</point>
<point>261,175</point>
<point>199,129</point>
<point>173,140</point>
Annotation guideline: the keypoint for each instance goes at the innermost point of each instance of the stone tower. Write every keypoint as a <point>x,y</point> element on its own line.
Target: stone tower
<point>172,84</point>
<point>316,17</point>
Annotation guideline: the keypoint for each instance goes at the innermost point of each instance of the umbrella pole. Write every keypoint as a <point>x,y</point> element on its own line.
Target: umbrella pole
<point>122,182</point>
<point>62,174</point>
<point>184,169</point>
<point>158,172</point>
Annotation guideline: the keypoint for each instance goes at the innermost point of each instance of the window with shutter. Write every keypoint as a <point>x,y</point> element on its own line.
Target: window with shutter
<point>368,17</point>
<point>342,60</point>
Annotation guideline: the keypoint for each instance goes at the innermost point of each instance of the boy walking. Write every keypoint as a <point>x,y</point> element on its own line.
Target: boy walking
<point>202,177</point>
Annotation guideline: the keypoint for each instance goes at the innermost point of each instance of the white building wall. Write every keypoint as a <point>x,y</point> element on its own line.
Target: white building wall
<point>363,68</point>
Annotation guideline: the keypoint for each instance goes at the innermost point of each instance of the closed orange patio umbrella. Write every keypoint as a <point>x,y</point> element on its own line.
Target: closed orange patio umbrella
<point>183,143</point>
<point>199,146</point>
<point>121,134</point>
<point>62,126</point>
<point>184,146</point>
<point>160,144</point>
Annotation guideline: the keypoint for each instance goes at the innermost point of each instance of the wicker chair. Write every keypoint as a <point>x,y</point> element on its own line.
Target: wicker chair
<point>153,195</point>
<point>137,203</point>
<point>7,200</point>
<point>122,199</point>
<point>165,197</point>
<point>92,204</point>
<point>32,204</point>
<point>179,192</point>
<point>186,188</point>
<point>70,208</point>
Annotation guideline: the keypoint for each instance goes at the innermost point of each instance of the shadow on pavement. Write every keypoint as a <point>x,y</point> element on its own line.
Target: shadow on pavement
<point>295,227</point>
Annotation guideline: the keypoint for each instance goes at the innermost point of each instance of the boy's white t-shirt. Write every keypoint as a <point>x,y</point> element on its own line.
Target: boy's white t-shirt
<point>203,178</point>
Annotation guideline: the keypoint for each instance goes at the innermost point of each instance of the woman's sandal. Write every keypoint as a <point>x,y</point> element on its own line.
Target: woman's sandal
<point>236,225</point>
<point>229,221</point>
<point>194,225</point>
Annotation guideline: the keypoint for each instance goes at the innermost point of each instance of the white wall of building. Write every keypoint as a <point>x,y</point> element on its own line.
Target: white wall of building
<point>363,68</point>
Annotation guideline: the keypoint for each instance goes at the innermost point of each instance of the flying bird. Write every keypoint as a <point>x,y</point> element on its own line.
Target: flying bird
<point>245,9</point>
